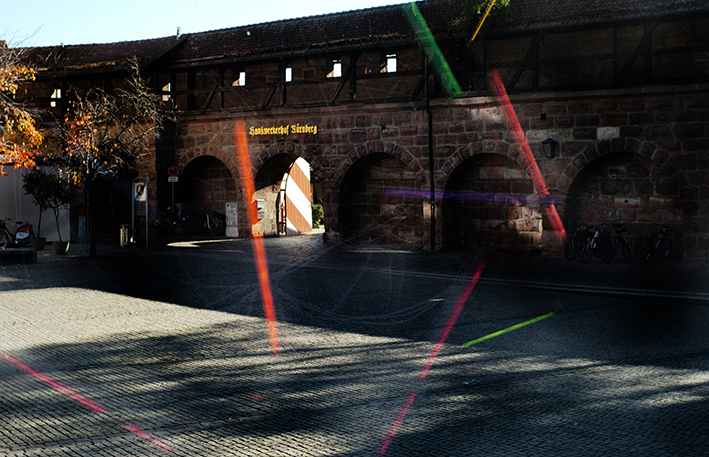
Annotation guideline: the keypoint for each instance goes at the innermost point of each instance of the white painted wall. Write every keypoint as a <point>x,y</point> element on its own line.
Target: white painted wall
<point>18,207</point>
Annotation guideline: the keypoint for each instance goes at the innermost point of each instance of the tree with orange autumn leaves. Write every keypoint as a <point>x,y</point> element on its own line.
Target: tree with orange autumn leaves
<point>104,133</point>
<point>19,136</point>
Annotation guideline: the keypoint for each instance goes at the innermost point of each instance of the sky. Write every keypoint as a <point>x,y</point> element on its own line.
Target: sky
<point>52,22</point>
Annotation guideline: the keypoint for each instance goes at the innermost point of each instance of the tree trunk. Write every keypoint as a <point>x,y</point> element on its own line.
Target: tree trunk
<point>90,215</point>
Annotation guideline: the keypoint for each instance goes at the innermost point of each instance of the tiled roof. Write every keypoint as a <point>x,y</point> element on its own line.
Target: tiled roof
<point>341,31</point>
<point>88,56</point>
<point>360,29</point>
<point>535,14</point>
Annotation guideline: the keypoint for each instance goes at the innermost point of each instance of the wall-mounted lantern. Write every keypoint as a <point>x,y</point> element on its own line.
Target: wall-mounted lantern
<point>550,145</point>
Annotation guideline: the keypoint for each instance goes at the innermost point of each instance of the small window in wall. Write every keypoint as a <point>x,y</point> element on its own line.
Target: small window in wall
<point>241,81</point>
<point>55,98</point>
<point>289,74</point>
<point>336,71</point>
<point>389,66</point>
<point>166,92</point>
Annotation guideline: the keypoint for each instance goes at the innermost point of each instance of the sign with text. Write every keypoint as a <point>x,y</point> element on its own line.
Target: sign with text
<point>288,129</point>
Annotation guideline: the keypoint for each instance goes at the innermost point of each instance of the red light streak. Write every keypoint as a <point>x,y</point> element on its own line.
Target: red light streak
<point>247,180</point>
<point>431,358</point>
<point>395,425</point>
<point>452,318</point>
<point>530,164</point>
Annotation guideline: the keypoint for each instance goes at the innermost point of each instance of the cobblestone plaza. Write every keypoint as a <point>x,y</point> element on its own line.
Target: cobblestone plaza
<point>168,355</point>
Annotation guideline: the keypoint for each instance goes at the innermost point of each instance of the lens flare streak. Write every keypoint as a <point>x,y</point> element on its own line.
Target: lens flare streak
<point>530,164</point>
<point>431,358</point>
<point>247,179</point>
<point>493,198</point>
<point>430,48</point>
<point>508,329</point>
<point>92,405</point>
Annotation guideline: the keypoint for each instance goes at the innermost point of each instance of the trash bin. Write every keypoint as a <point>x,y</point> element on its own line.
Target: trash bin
<point>126,233</point>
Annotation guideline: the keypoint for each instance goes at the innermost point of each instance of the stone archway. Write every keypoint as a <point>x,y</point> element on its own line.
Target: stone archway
<point>205,182</point>
<point>271,166</point>
<point>381,202</point>
<point>343,178</point>
<point>490,204</point>
<point>631,189</point>
<point>656,188</point>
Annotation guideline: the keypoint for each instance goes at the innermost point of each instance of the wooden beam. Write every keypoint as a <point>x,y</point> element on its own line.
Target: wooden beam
<point>645,44</point>
<point>532,55</point>
<point>217,86</point>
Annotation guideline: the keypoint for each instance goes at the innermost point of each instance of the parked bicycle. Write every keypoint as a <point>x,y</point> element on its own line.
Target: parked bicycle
<point>170,224</point>
<point>620,243</point>
<point>575,242</point>
<point>598,245</point>
<point>213,222</point>
<point>659,247</point>
<point>22,237</point>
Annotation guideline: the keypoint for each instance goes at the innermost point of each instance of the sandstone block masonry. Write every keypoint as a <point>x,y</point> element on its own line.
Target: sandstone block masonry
<point>639,156</point>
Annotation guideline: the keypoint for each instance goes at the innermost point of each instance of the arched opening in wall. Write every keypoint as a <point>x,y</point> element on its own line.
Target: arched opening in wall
<point>285,194</point>
<point>205,184</point>
<point>490,205</point>
<point>381,202</point>
<point>627,188</point>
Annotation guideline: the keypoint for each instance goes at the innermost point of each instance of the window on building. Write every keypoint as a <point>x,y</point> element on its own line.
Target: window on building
<point>55,98</point>
<point>166,92</point>
<point>241,81</point>
<point>389,66</point>
<point>336,71</point>
<point>289,74</point>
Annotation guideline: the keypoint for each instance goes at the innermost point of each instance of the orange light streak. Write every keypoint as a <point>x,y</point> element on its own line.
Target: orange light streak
<point>247,180</point>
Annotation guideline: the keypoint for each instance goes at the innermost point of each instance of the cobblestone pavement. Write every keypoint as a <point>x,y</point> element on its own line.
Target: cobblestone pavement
<point>168,355</point>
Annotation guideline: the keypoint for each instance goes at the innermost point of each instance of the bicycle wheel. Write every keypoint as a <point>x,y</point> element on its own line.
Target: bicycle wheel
<point>606,252</point>
<point>647,251</point>
<point>216,226</point>
<point>625,250</point>
<point>663,248</point>
<point>26,242</point>
<point>185,228</point>
<point>586,252</point>
<point>4,239</point>
<point>569,251</point>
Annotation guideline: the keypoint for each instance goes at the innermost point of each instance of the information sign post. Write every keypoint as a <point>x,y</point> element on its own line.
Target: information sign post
<point>172,178</point>
<point>140,207</point>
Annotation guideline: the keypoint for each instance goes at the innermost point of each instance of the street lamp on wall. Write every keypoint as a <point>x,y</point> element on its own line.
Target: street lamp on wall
<point>550,145</point>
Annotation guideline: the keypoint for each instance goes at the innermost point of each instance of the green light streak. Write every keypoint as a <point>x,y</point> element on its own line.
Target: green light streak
<point>431,49</point>
<point>508,329</point>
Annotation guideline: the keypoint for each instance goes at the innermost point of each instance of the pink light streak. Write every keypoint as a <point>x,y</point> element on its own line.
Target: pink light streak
<point>452,318</point>
<point>395,425</point>
<point>432,357</point>
<point>530,164</point>
<point>92,405</point>
<point>53,384</point>
<point>148,437</point>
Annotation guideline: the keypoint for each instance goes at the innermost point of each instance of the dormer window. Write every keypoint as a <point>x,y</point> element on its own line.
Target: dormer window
<point>289,74</point>
<point>336,71</point>
<point>241,81</point>
<point>56,97</point>
<point>389,66</point>
<point>166,92</point>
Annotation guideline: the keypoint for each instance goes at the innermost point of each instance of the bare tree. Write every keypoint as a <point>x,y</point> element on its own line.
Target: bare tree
<point>104,133</point>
